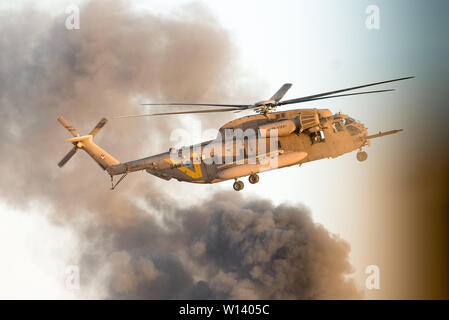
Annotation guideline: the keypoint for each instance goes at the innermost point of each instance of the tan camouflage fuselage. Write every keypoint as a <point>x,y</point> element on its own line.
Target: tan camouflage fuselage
<point>328,137</point>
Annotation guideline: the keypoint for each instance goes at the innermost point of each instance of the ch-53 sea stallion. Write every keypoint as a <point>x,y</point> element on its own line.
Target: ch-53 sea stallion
<point>248,145</point>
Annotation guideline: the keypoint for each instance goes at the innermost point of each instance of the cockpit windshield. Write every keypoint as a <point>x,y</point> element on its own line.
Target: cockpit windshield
<point>353,130</point>
<point>349,120</point>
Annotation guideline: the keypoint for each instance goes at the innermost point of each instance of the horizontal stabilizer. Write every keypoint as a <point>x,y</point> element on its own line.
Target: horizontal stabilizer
<point>79,139</point>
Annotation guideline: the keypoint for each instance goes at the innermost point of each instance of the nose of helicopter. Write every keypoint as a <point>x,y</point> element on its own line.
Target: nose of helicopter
<point>363,129</point>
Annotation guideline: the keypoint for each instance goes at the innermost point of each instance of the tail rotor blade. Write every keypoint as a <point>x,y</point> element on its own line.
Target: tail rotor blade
<point>98,127</point>
<point>67,125</point>
<point>67,157</point>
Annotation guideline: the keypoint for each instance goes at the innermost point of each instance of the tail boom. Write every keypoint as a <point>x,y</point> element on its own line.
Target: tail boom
<point>86,143</point>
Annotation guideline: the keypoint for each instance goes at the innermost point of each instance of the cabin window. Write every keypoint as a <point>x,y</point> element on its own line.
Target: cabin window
<point>337,126</point>
<point>317,137</point>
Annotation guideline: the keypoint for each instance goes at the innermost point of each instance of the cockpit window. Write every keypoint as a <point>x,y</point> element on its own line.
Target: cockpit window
<point>337,126</point>
<point>349,120</point>
<point>353,130</point>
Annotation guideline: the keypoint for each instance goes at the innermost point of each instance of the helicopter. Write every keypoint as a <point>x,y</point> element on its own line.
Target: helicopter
<point>246,146</point>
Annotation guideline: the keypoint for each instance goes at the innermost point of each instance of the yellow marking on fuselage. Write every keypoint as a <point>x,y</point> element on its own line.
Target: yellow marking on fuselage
<point>193,174</point>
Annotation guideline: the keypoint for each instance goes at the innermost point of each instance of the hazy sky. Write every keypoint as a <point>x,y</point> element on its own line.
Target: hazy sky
<point>317,46</point>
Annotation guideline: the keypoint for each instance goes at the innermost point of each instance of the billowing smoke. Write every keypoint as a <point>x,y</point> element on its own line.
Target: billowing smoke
<point>228,247</point>
<point>139,242</point>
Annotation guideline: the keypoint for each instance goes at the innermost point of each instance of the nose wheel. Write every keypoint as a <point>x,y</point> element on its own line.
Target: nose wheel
<point>362,156</point>
<point>254,178</point>
<point>238,185</point>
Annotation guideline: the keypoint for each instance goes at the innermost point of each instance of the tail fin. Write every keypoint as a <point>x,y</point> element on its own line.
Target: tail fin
<point>86,143</point>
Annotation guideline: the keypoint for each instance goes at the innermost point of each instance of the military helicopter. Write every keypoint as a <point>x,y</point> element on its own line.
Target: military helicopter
<point>248,145</point>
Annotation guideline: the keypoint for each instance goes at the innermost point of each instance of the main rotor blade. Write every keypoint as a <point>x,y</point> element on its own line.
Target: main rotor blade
<point>309,98</point>
<point>281,92</point>
<point>98,127</point>
<point>196,104</point>
<point>67,156</point>
<point>179,112</point>
<point>67,125</point>
<point>348,94</point>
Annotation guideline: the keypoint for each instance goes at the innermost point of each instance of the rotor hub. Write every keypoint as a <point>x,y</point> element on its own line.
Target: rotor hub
<point>266,108</point>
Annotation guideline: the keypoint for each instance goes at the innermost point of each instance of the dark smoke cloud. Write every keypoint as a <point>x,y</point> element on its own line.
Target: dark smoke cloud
<point>228,248</point>
<point>138,242</point>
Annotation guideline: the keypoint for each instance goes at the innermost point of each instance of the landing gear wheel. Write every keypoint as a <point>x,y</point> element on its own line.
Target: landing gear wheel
<point>362,156</point>
<point>238,185</point>
<point>254,178</point>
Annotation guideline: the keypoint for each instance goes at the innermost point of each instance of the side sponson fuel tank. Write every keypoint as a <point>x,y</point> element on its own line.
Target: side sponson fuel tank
<point>283,128</point>
<point>270,163</point>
